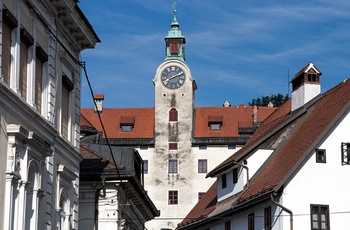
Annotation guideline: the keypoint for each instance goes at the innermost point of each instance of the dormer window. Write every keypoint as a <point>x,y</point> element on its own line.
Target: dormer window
<point>215,122</point>
<point>127,123</point>
<point>174,48</point>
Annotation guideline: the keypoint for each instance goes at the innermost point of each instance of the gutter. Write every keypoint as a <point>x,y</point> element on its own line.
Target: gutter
<point>284,209</point>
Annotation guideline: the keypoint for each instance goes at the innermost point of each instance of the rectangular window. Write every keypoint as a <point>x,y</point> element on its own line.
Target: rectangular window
<point>145,166</point>
<point>202,166</point>
<point>235,175</point>
<point>172,166</point>
<point>67,86</point>
<point>200,195</point>
<point>320,155</point>
<point>23,69</point>
<point>231,147</point>
<point>126,128</point>
<point>267,218</point>
<point>41,58</point>
<point>9,23</point>
<point>345,154</point>
<point>319,217</point>
<point>173,197</point>
<point>251,221</point>
<point>172,146</point>
<point>223,181</point>
<point>228,225</point>
<point>215,126</point>
<point>202,147</point>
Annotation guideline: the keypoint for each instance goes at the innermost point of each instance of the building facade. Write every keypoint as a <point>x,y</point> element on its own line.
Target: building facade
<point>178,142</point>
<point>112,196</point>
<point>290,174</point>
<point>40,87</point>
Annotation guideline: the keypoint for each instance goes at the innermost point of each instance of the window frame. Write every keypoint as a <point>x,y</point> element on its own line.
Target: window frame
<point>200,195</point>
<point>173,146</point>
<point>223,181</point>
<point>173,115</point>
<point>319,221</point>
<point>320,156</point>
<point>235,173</point>
<point>202,165</point>
<point>173,197</point>
<point>145,166</point>
<point>267,218</point>
<point>251,223</point>
<point>173,166</point>
<point>228,225</point>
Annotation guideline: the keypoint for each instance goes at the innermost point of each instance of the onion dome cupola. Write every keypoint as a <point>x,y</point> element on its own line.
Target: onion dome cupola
<point>175,42</point>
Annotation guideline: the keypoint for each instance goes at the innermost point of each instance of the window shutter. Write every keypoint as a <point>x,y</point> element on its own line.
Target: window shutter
<point>173,115</point>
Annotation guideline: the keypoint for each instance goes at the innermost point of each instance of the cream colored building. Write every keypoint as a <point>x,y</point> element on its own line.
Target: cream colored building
<point>40,86</point>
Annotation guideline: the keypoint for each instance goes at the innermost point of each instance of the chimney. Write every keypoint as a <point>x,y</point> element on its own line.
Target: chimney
<point>98,98</point>
<point>305,86</point>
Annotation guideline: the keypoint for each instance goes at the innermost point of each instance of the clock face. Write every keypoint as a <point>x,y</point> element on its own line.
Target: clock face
<point>173,77</point>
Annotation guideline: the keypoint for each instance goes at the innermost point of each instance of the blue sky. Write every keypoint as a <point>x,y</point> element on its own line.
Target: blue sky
<point>236,50</point>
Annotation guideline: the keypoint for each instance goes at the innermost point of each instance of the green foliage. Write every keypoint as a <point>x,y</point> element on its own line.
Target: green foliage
<point>276,99</point>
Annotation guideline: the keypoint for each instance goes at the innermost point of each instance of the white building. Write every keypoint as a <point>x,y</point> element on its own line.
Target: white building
<point>290,174</point>
<point>40,87</point>
<point>178,142</point>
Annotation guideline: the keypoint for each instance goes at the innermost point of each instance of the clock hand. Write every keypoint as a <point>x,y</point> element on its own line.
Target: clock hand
<point>174,76</point>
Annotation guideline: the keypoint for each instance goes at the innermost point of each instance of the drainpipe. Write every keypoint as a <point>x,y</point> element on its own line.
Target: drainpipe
<point>284,209</point>
<point>246,168</point>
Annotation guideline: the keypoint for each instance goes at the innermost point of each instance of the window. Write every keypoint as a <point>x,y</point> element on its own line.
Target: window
<point>202,166</point>
<point>215,122</point>
<point>127,123</point>
<point>126,128</point>
<point>202,147</point>
<point>319,217</point>
<point>173,115</point>
<point>223,181</point>
<point>41,58</point>
<point>235,175</point>
<point>228,225</point>
<point>172,166</point>
<point>172,146</point>
<point>145,166</point>
<point>267,218</point>
<point>174,48</point>
<point>67,86</point>
<point>26,41</point>
<point>320,155</point>
<point>173,197</point>
<point>200,195</point>
<point>231,147</point>
<point>345,148</point>
<point>215,126</point>
<point>251,221</point>
<point>9,23</point>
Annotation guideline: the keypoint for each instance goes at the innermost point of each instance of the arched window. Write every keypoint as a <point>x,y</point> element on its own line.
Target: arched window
<point>63,212</point>
<point>32,201</point>
<point>173,115</point>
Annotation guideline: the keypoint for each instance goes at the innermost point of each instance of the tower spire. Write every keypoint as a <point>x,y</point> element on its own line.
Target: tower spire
<point>175,41</point>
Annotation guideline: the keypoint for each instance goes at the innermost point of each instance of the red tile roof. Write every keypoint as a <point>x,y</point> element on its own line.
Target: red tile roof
<point>112,118</point>
<point>318,121</point>
<point>205,206</point>
<point>319,116</point>
<point>142,119</point>
<point>232,118</point>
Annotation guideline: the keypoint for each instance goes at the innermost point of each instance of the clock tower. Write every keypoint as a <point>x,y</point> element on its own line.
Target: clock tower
<point>174,109</point>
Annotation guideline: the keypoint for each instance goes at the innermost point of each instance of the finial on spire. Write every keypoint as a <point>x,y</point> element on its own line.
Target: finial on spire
<point>174,7</point>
